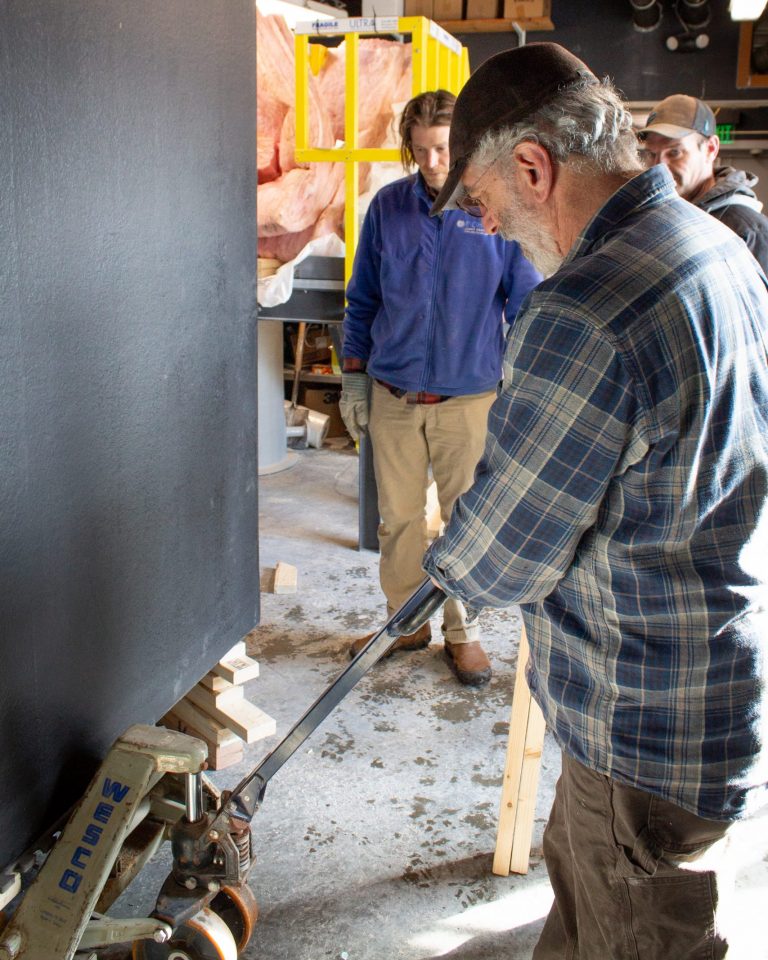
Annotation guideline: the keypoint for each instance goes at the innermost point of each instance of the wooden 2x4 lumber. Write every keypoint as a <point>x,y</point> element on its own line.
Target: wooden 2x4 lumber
<point>224,757</point>
<point>215,683</point>
<point>238,650</point>
<point>286,578</point>
<point>208,729</point>
<point>520,857</point>
<point>521,775</point>
<point>233,693</point>
<point>246,720</point>
<point>237,669</point>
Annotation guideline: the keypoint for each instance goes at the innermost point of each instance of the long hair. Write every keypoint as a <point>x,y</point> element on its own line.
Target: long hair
<point>431,109</point>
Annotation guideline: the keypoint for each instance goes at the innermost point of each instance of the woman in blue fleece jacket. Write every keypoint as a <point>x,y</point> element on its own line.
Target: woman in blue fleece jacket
<point>423,342</point>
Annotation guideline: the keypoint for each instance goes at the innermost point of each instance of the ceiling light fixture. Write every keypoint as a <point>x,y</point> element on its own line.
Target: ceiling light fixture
<point>746,9</point>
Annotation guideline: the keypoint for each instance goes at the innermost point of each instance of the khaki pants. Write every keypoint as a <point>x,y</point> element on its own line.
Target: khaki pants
<point>407,439</point>
<point>638,878</point>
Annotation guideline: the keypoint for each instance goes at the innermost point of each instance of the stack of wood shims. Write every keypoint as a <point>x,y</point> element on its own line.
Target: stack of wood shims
<point>217,712</point>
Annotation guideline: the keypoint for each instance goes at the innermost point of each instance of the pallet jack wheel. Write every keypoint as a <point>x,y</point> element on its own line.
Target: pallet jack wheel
<point>205,936</point>
<point>237,907</point>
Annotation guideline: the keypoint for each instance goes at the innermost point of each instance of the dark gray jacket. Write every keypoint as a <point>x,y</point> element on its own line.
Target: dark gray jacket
<point>732,201</point>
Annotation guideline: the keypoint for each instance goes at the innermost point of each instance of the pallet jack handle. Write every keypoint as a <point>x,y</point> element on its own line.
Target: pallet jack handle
<point>414,613</point>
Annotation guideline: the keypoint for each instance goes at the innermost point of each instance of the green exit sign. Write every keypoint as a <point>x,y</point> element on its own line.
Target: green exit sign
<point>725,132</point>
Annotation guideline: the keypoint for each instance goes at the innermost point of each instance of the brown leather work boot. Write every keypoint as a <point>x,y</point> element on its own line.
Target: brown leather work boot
<point>410,641</point>
<point>469,662</point>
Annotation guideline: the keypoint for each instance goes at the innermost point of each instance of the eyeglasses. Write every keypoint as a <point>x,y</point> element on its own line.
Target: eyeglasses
<point>473,205</point>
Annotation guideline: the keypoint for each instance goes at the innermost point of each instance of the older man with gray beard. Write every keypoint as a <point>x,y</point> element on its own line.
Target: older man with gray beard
<point>622,501</point>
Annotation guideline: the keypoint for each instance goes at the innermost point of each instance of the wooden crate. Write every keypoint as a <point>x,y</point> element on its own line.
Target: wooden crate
<point>526,9</point>
<point>482,10</point>
<point>447,9</point>
<point>417,8</point>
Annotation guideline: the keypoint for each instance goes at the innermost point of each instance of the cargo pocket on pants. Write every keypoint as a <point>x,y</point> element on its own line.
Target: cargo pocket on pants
<point>673,917</point>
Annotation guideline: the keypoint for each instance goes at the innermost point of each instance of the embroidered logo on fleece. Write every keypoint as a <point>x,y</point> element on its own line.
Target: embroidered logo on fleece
<point>470,226</point>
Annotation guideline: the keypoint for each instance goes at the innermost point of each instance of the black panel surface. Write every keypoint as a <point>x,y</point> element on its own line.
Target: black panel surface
<point>128,556</point>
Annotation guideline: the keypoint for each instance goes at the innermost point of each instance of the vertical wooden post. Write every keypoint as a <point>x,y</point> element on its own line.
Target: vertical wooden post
<point>521,775</point>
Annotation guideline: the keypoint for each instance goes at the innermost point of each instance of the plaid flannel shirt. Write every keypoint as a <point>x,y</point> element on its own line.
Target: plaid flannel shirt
<point>622,501</point>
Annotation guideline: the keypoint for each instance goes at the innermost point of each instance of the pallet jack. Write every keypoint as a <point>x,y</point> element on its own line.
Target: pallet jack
<point>150,788</point>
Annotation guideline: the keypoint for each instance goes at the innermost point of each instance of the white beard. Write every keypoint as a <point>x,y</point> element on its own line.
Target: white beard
<point>519,222</point>
<point>546,260</point>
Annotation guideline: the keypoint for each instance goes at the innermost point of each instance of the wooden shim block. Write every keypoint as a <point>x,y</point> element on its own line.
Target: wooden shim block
<point>222,758</point>
<point>215,683</point>
<point>237,651</point>
<point>237,669</point>
<point>210,698</point>
<point>286,578</point>
<point>209,729</point>
<point>247,721</point>
<point>174,722</point>
<point>521,773</point>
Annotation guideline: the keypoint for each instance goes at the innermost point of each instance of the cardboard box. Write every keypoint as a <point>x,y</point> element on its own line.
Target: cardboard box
<point>527,9</point>
<point>317,347</point>
<point>447,10</point>
<point>325,400</point>
<point>482,10</point>
<point>417,8</point>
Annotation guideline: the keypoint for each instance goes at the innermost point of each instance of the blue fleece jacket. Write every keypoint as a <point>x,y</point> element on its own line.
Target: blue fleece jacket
<point>428,294</point>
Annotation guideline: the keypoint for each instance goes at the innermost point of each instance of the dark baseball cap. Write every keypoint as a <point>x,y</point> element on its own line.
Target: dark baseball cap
<point>679,115</point>
<point>504,90</point>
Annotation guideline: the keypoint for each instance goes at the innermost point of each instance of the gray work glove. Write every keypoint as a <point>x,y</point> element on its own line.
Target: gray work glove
<point>353,402</point>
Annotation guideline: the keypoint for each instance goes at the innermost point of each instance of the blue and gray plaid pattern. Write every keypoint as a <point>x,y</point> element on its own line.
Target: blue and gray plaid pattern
<point>622,500</point>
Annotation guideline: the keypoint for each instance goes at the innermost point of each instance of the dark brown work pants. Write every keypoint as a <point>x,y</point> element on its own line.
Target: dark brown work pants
<point>634,877</point>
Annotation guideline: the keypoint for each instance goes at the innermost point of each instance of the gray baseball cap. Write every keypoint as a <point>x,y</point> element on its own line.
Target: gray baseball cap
<point>679,115</point>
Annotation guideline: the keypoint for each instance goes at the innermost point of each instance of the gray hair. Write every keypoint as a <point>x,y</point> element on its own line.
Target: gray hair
<point>587,126</point>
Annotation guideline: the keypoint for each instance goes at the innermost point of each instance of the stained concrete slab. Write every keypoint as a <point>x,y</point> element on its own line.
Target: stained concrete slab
<point>375,840</point>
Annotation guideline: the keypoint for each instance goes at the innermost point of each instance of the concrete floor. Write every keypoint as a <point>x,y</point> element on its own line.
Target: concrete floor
<point>375,840</point>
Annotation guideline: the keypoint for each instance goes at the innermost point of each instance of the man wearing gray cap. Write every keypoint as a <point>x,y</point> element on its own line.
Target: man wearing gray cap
<point>622,501</point>
<point>680,133</point>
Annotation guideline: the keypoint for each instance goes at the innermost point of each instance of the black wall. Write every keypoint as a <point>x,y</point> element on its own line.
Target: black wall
<point>128,515</point>
<point>602,34</point>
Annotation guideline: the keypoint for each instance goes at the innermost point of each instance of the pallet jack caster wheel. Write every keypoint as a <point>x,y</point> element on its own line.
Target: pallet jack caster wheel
<point>237,907</point>
<point>205,936</point>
